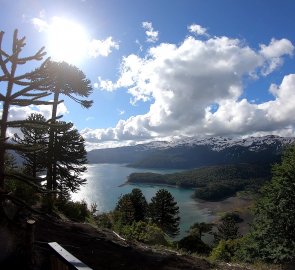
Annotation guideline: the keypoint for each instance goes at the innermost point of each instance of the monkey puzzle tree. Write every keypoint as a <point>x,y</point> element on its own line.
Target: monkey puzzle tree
<point>70,158</point>
<point>19,90</point>
<point>68,80</point>
<point>36,136</point>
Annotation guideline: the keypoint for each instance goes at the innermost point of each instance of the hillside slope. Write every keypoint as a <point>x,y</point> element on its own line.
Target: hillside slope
<point>193,152</point>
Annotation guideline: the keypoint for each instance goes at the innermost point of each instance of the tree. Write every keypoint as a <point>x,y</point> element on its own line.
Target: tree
<point>227,229</point>
<point>21,90</point>
<point>273,230</point>
<point>36,136</point>
<point>70,159</point>
<point>200,228</point>
<point>140,204</point>
<point>164,212</point>
<point>66,79</point>
<point>124,210</point>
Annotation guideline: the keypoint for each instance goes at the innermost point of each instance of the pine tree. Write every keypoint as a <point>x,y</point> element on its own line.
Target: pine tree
<point>164,212</point>
<point>140,204</point>
<point>124,211</point>
<point>273,231</point>
<point>36,136</point>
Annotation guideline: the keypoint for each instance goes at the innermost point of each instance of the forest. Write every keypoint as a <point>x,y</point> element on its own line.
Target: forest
<point>54,158</point>
<point>212,183</point>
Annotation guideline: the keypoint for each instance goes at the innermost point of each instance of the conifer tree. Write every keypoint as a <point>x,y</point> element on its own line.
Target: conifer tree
<point>20,90</point>
<point>68,80</point>
<point>36,136</point>
<point>164,212</point>
<point>140,204</point>
<point>124,211</point>
<point>70,158</point>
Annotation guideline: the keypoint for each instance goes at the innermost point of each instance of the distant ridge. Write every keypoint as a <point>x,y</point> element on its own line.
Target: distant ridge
<point>194,152</point>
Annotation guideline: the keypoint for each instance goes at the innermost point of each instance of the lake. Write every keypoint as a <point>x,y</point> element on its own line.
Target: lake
<point>104,188</point>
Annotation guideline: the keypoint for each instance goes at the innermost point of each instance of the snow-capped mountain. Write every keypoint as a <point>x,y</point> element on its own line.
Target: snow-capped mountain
<point>193,152</point>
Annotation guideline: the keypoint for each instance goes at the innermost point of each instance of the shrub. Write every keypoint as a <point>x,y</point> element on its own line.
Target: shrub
<point>144,232</point>
<point>76,211</point>
<point>103,221</point>
<point>193,243</point>
<point>225,250</point>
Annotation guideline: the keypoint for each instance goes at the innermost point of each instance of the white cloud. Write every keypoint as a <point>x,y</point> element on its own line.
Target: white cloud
<point>151,35</point>
<point>102,47</point>
<point>198,30</point>
<point>273,52</point>
<point>184,81</point>
<point>40,24</point>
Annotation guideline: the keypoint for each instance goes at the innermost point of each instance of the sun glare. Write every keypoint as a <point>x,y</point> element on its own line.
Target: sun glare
<point>67,41</point>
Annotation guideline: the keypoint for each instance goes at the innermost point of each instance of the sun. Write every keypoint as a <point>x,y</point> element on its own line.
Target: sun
<point>67,41</point>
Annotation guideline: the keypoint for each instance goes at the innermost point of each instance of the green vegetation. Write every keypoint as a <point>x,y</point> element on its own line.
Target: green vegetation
<point>214,182</point>
<point>273,228</point>
<point>272,237</point>
<point>164,212</point>
<point>193,241</point>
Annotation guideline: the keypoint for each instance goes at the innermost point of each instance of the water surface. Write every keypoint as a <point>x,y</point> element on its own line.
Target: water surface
<point>104,187</point>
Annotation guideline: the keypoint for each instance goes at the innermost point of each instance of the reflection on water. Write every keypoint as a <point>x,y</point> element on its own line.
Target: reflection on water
<point>104,188</point>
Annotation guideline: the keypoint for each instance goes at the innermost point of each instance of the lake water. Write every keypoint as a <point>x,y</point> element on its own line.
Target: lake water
<point>103,188</point>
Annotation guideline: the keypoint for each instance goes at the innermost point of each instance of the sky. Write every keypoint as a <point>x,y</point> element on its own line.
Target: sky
<point>165,69</point>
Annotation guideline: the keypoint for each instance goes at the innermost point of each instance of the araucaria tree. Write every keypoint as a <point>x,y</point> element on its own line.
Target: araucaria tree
<point>68,80</point>
<point>35,135</point>
<point>164,212</point>
<point>19,90</point>
<point>70,158</point>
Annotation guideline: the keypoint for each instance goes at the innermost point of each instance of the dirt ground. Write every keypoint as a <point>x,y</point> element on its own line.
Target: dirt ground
<point>241,205</point>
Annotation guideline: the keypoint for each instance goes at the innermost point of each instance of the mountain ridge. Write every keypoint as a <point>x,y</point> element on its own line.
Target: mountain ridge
<point>192,152</point>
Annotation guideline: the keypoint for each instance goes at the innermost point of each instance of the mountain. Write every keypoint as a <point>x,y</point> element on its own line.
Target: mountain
<point>194,152</point>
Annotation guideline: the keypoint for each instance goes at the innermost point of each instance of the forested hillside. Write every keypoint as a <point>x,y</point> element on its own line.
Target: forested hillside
<point>214,182</point>
<point>193,152</point>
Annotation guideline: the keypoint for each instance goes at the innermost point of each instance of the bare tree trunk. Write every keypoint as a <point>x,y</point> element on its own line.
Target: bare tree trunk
<point>4,123</point>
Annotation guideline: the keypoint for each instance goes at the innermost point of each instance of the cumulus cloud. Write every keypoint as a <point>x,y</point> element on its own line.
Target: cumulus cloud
<point>151,35</point>
<point>102,47</point>
<point>273,52</point>
<point>195,88</point>
<point>198,30</point>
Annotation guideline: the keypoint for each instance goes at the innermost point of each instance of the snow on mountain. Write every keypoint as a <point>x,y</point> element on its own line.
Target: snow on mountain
<point>219,143</point>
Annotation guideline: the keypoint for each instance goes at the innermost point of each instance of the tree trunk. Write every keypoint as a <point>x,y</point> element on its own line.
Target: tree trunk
<point>4,124</point>
<point>51,147</point>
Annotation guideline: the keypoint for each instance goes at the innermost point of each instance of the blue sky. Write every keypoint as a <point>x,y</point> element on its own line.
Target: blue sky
<point>166,69</point>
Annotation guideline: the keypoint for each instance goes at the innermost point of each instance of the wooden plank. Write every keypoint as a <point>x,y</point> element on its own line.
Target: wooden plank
<point>68,259</point>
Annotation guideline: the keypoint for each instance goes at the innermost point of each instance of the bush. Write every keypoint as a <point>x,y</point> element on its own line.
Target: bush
<point>22,191</point>
<point>144,232</point>
<point>193,243</point>
<point>76,211</point>
<point>103,221</point>
<point>225,250</point>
